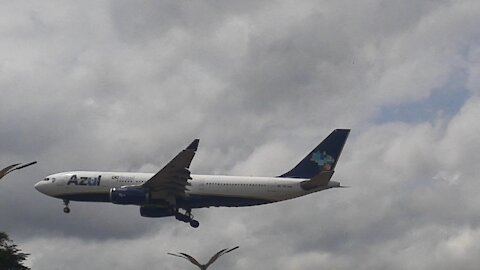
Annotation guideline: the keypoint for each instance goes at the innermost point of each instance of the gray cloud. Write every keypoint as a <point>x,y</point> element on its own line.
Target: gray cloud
<point>115,85</point>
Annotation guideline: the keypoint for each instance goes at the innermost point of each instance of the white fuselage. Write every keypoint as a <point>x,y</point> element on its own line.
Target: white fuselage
<point>96,186</point>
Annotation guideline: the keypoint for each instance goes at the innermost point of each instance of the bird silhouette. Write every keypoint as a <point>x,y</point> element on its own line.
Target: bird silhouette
<point>14,167</point>
<point>203,266</point>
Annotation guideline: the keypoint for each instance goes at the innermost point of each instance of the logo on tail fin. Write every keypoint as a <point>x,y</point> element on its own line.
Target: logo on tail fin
<point>323,160</point>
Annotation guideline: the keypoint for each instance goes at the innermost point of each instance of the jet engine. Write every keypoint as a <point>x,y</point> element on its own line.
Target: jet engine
<point>150,211</point>
<point>129,195</point>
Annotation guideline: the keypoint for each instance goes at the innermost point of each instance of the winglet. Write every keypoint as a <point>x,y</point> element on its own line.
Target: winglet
<point>194,145</point>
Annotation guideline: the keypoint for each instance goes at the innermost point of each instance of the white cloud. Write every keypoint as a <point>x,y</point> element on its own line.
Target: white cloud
<point>115,85</point>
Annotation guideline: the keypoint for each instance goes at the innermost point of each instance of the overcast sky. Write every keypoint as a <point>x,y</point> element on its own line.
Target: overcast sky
<point>123,86</point>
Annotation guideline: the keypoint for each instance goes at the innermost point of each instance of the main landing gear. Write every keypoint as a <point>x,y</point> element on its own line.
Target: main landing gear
<point>66,209</point>
<point>187,218</point>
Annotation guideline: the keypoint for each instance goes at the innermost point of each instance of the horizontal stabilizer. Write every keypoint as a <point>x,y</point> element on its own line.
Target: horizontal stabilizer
<point>318,180</point>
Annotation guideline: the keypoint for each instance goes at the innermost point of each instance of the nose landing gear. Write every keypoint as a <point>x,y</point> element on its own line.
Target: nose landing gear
<point>66,209</point>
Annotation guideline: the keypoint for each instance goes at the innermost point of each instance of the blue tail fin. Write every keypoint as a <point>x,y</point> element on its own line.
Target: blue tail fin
<point>323,158</point>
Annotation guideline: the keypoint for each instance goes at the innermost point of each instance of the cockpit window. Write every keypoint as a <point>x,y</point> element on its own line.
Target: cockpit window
<point>46,179</point>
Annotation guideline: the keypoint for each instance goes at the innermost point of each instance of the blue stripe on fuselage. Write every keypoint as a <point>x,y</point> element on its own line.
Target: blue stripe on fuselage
<point>86,197</point>
<point>199,201</point>
<point>192,201</point>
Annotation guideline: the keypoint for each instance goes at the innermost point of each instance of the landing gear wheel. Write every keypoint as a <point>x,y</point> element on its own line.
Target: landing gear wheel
<point>194,223</point>
<point>187,217</point>
<point>66,209</point>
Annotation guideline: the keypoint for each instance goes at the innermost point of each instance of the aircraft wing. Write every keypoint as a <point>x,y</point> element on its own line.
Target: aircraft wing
<point>171,181</point>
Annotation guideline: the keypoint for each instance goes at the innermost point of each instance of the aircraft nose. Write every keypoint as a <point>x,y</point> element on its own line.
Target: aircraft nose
<point>40,186</point>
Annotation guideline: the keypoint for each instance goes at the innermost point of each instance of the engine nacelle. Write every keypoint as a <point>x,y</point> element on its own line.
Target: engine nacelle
<point>129,195</point>
<point>150,211</point>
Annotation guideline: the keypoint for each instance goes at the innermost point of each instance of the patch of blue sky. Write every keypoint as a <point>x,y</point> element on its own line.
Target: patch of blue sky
<point>444,102</point>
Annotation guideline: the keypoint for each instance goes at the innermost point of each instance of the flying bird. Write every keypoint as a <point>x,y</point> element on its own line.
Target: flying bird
<point>203,266</point>
<point>14,167</point>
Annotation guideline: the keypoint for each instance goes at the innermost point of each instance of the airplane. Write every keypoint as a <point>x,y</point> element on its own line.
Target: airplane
<point>174,191</point>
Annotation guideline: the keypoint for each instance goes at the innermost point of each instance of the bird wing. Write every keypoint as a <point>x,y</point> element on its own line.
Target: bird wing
<point>216,256</point>
<point>187,257</point>
<point>25,165</point>
<point>14,167</point>
<point>6,170</point>
<point>176,255</point>
<point>220,253</point>
<point>232,249</point>
<point>191,259</point>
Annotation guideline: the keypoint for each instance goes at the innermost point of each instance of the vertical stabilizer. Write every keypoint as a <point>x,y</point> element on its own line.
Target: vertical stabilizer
<point>323,158</point>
